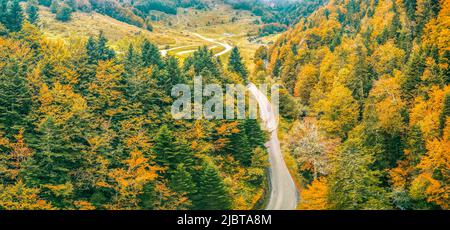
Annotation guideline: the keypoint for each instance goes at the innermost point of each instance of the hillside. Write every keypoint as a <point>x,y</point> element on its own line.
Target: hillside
<point>101,108</point>
<point>171,31</point>
<point>367,88</point>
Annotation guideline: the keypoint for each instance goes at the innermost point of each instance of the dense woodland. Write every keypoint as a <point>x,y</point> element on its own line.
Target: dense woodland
<point>364,105</point>
<point>367,99</point>
<point>82,127</point>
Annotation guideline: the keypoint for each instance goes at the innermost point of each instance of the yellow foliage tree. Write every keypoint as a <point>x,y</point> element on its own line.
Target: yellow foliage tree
<point>337,112</point>
<point>315,196</point>
<point>19,197</point>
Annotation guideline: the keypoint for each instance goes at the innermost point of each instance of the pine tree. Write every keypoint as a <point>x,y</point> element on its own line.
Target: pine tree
<point>256,137</point>
<point>11,15</point>
<point>33,12</point>
<point>240,146</point>
<point>203,63</point>
<point>150,55</point>
<point>103,52</point>
<point>212,192</point>
<point>91,49</point>
<point>130,61</point>
<point>170,152</point>
<point>15,96</point>
<point>97,49</point>
<point>181,182</point>
<point>236,65</point>
<point>57,155</point>
<point>64,13</point>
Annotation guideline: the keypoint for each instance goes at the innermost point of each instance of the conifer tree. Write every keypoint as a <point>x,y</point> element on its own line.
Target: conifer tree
<point>256,137</point>
<point>56,157</point>
<point>236,65</point>
<point>203,63</point>
<point>11,15</point>
<point>150,55</point>
<point>33,12</point>
<point>212,192</point>
<point>240,146</point>
<point>97,49</point>
<point>170,152</point>
<point>64,13</point>
<point>181,181</point>
<point>15,95</point>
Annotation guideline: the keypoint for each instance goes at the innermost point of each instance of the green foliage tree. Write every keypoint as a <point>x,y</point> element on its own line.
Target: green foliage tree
<point>169,151</point>
<point>33,12</point>
<point>236,65</point>
<point>11,15</point>
<point>64,13</point>
<point>15,94</point>
<point>212,192</point>
<point>353,184</point>
<point>150,55</point>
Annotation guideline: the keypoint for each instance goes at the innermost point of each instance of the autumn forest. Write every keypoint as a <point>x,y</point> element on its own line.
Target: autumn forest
<point>364,114</point>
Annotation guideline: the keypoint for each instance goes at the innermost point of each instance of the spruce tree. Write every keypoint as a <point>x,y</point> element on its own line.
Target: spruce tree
<point>57,155</point>
<point>181,181</point>
<point>236,65</point>
<point>240,146</point>
<point>12,15</point>
<point>64,13</point>
<point>91,49</point>
<point>203,63</point>
<point>15,97</point>
<point>33,12</point>
<point>97,49</point>
<point>169,151</point>
<point>256,137</point>
<point>103,52</point>
<point>212,192</point>
<point>150,55</point>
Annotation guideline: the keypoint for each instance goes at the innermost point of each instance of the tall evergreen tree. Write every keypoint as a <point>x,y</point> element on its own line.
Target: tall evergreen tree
<point>240,146</point>
<point>97,49</point>
<point>170,152</point>
<point>203,63</point>
<point>256,137</point>
<point>150,55</point>
<point>33,12</point>
<point>15,95</point>
<point>103,52</point>
<point>236,65</point>
<point>212,192</point>
<point>181,181</point>
<point>11,15</point>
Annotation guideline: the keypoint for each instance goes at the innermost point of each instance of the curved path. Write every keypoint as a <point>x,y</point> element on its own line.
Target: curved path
<point>283,193</point>
<point>225,45</point>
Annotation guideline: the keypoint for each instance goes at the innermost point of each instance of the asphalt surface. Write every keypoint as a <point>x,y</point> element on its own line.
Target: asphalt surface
<point>283,193</point>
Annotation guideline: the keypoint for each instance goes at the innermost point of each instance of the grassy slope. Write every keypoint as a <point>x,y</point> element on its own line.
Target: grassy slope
<point>172,31</point>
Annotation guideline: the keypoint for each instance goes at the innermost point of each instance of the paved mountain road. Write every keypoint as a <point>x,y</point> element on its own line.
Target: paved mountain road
<point>283,193</point>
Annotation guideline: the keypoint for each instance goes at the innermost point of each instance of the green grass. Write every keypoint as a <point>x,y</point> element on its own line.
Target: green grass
<point>171,32</point>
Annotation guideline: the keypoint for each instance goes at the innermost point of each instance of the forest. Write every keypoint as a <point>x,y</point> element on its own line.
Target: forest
<point>364,113</point>
<point>83,127</point>
<point>370,81</point>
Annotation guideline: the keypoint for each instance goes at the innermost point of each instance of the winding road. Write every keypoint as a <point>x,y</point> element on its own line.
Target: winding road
<point>283,192</point>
